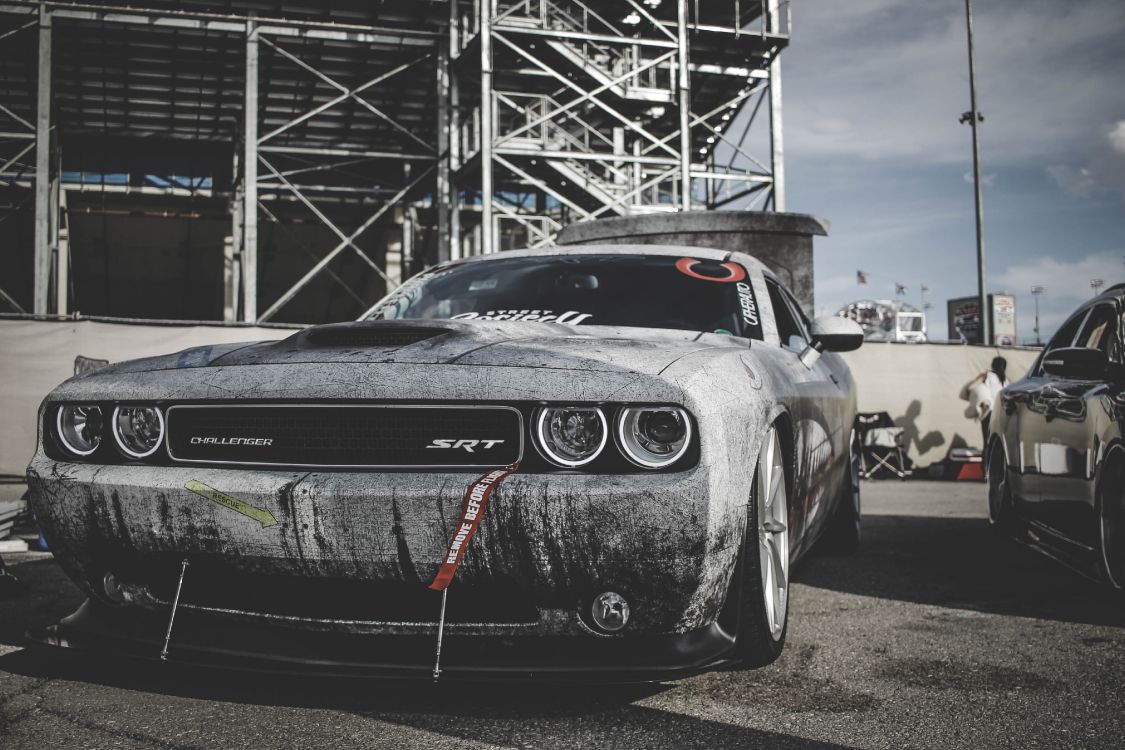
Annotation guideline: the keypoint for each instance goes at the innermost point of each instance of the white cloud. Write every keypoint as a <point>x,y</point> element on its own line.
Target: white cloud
<point>1067,283</point>
<point>1116,137</point>
<point>888,79</point>
<point>1104,171</point>
<point>1077,181</point>
<point>988,180</point>
<point>1066,280</point>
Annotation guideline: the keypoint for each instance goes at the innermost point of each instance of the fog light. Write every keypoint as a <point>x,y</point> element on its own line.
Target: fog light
<point>113,590</point>
<point>610,612</point>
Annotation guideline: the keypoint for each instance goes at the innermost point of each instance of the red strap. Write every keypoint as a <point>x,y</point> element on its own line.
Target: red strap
<point>472,511</point>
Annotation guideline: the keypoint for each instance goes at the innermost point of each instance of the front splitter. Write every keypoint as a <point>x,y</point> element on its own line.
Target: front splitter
<point>202,639</point>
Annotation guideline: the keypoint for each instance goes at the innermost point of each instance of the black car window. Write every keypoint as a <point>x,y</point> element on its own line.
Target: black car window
<point>1064,337</point>
<point>647,291</point>
<point>1098,332</point>
<point>789,328</point>
<point>802,319</point>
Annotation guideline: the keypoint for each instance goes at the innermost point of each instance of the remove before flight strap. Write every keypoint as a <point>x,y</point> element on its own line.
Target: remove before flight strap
<point>472,511</point>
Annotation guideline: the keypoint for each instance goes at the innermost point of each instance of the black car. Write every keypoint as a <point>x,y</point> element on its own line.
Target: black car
<point>1056,459</point>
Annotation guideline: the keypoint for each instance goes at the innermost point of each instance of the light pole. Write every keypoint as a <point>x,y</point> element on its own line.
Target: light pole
<point>1035,292</point>
<point>1096,285</point>
<point>974,118</point>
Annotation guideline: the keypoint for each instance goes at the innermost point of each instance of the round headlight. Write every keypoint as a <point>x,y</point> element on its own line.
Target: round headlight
<point>654,436</point>
<point>571,435</point>
<point>80,428</point>
<point>138,430</point>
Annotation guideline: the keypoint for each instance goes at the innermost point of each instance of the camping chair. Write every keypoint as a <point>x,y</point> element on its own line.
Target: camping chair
<point>880,445</point>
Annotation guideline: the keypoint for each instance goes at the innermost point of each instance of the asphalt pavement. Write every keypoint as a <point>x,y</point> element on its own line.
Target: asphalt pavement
<point>932,636</point>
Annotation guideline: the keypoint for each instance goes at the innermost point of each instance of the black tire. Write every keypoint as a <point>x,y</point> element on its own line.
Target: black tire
<point>1110,502</point>
<point>1001,513</point>
<point>842,535</point>
<point>757,643</point>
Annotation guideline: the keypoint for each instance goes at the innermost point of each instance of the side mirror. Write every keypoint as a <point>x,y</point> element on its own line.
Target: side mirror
<point>831,333</point>
<point>1079,363</point>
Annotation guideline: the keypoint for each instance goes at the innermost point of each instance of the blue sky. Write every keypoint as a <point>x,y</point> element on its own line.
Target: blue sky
<point>873,90</point>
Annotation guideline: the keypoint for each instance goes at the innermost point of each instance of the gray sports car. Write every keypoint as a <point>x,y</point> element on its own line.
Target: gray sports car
<point>642,438</point>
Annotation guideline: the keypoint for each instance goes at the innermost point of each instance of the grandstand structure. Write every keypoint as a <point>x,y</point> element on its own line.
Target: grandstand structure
<point>267,160</point>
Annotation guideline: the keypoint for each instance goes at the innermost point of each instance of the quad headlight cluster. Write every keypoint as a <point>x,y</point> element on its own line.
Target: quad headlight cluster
<point>137,431</point>
<point>567,436</point>
<point>652,437</point>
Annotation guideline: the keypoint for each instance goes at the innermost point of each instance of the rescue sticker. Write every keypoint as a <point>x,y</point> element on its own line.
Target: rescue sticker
<point>260,515</point>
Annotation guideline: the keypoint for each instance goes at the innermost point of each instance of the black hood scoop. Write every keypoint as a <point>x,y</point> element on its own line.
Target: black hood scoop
<point>373,335</point>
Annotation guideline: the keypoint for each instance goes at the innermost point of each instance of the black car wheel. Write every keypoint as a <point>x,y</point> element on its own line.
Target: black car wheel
<point>1000,512</point>
<point>1111,517</point>
<point>843,532</point>
<point>763,616</point>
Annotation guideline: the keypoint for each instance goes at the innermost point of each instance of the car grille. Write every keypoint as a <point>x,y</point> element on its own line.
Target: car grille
<point>355,435</point>
<point>214,585</point>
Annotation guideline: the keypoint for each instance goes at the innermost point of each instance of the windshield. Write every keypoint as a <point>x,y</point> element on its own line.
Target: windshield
<point>910,322</point>
<point>647,291</point>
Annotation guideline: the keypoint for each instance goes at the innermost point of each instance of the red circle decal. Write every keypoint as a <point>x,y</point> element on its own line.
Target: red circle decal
<point>686,267</point>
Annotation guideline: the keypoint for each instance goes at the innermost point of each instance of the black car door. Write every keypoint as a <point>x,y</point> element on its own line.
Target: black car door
<point>1030,404</point>
<point>1074,414</point>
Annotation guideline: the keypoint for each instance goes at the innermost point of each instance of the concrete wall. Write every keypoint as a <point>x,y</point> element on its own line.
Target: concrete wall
<point>918,385</point>
<point>784,242</point>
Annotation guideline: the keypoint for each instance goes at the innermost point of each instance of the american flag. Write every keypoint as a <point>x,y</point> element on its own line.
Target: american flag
<point>861,277</point>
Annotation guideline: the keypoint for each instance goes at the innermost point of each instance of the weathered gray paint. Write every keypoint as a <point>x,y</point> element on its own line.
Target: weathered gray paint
<point>669,540</point>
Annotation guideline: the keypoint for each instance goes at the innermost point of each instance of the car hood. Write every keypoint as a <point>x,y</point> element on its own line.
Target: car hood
<point>493,343</point>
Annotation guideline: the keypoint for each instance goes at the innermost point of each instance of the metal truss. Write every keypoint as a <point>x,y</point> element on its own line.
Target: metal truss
<point>19,137</point>
<point>581,115</point>
<point>489,126</point>
<point>264,152</point>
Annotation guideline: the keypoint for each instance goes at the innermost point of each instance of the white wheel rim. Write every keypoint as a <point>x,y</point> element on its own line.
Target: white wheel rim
<point>773,533</point>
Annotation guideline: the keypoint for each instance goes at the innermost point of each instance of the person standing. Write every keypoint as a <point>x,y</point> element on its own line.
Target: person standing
<point>982,391</point>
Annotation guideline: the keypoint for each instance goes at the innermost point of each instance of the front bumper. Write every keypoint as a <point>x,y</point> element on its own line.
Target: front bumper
<point>350,554</point>
<point>199,639</point>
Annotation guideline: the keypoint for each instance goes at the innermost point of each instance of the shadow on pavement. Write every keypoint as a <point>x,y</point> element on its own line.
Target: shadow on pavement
<point>956,562</point>
<point>543,715</point>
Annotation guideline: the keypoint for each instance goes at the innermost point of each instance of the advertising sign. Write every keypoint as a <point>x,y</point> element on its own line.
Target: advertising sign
<point>1003,319</point>
<point>965,321</point>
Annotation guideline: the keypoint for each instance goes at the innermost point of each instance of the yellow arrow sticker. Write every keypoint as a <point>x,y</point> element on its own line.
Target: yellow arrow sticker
<point>260,515</point>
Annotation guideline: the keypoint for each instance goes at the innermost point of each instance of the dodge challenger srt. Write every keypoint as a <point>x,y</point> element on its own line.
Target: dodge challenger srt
<point>606,458</point>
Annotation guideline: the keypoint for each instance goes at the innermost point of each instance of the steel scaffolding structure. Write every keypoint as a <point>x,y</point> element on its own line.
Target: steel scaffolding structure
<point>446,127</point>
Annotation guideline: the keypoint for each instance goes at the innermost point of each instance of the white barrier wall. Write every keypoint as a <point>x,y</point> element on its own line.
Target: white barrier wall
<point>917,384</point>
<point>37,355</point>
